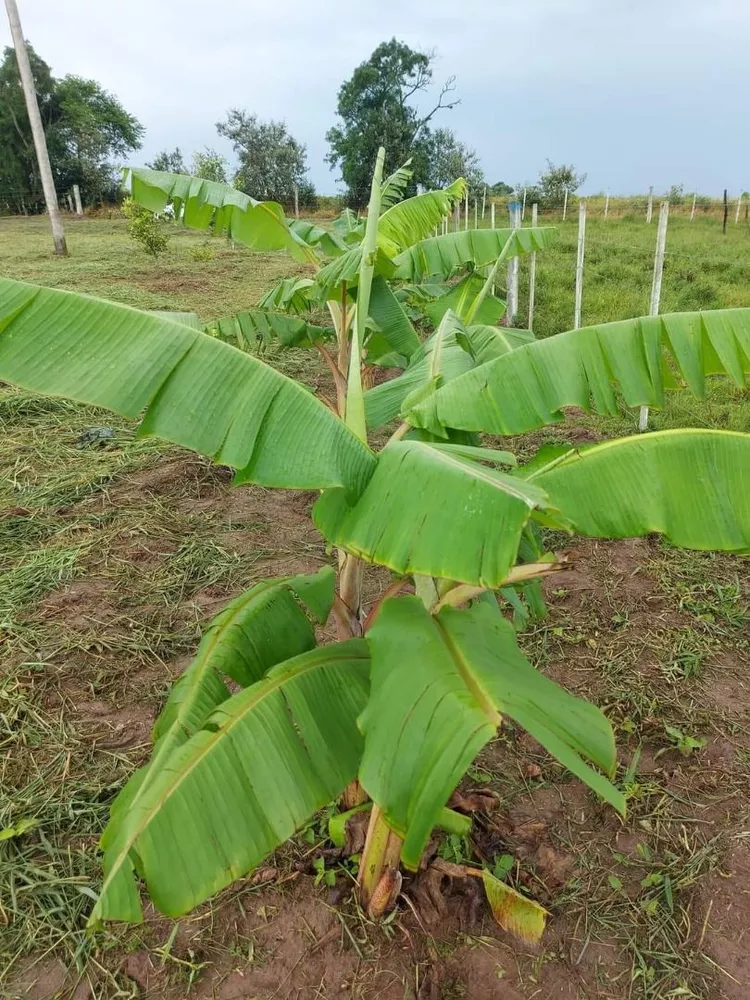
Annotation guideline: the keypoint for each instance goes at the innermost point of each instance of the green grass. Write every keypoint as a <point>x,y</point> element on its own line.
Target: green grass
<point>105,261</point>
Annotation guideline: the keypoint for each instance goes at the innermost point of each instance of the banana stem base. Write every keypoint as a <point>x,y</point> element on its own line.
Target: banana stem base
<point>379,876</point>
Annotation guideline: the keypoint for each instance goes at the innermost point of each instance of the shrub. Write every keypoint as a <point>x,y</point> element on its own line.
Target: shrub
<point>145,228</point>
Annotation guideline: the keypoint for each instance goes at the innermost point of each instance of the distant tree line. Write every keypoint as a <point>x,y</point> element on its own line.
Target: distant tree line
<point>89,131</point>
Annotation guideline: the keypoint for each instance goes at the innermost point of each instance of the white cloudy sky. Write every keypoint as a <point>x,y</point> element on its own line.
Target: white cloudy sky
<point>635,92</point>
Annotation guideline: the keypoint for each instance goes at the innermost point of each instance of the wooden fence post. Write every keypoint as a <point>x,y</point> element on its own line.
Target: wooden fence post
<point>579,263</point>
<point>737,213</point>
<point>692,210</point>
<point>511,309</point>
<point>484,200</point>
<point>565,205</point>
<point>466,211</point>
<point>606,206</point>
<point>653,309</point>
<point>726,213</point>
<point>476,221</point>
<point>650,206</point>
<point>523,207</point>
<point>532,270</point>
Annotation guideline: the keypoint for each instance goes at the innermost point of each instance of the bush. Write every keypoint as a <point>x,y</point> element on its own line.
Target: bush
<point>202,252</point>
<point>145,228</point>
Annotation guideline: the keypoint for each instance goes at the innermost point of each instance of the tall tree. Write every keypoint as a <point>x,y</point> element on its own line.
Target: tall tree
<point>86,129</point>
<point>450,158</point>
<point>171,162</point>
<point>271,161</point>
<point>375,107</point>
<point>92,130</point>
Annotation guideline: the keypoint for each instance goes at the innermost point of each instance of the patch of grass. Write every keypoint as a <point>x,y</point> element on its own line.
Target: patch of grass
<point>103,261</point>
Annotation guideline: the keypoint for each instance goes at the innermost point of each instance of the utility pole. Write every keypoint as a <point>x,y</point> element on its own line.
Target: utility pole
<point>37,131</point>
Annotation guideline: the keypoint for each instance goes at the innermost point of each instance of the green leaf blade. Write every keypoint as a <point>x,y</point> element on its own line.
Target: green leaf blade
<point>692,485</point>
<point>195,390</point>
<point>266,760</point>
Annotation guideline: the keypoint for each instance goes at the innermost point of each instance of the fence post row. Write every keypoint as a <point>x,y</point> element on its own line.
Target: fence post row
<point>653,309</point>
<point>579,263</point>
<point>532,270</point>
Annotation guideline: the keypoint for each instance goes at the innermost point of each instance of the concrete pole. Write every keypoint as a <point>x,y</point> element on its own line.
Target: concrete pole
<point>77,196</point>
<point>653,309</point>
<point>37,130</point>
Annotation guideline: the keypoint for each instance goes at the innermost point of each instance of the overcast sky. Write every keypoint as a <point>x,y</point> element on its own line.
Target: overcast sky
<point>634,92</point>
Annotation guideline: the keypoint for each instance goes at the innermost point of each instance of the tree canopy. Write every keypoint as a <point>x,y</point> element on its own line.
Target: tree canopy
<point>451,158</point>
<point>375,108</point>
<point>209,165</point>
<point>172,161</point>
<point>549,191</point>
<point>86,128</point>
<point>271,161</point>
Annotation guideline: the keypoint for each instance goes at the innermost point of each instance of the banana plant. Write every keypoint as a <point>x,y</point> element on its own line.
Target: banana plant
<point>413,271</point>
<point>267,726</point>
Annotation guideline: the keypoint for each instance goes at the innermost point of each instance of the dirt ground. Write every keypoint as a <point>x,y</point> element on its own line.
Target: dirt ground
<point>657,906</point>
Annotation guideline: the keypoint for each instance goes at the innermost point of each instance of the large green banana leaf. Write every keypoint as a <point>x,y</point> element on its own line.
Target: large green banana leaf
<point>190,319</point>
<point>259,629</point>
<point>460,300</point>
<point>393,187</point>
<point>294,295</point>
<point>440,686</point>
<point>348,227</point>
<point>329,241</point>
<point>460,349</point>
<point>527,388</point>
<point>254,326</point>
<point>346,268</point>
<point>264,761</point>
<point>435,513</point>
<point>391,319</point>
<point>693,486</point>
<point>411,220</point>
<point>195,390</point>
<point>203,204</point>
<point>485,343</point>
<point>442,356</point>
<point>441,256</point>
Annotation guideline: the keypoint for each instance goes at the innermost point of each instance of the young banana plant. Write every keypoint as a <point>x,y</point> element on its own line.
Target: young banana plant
<point>415,686</point>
